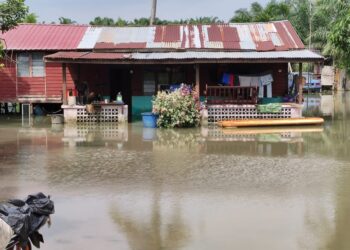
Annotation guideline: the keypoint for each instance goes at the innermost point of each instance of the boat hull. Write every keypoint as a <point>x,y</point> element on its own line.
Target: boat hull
<point>272,122</point>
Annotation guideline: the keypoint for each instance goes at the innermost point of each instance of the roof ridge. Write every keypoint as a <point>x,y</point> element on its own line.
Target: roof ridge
<point>54,24</point>
<point>146,26</point>
<point>277,21</point>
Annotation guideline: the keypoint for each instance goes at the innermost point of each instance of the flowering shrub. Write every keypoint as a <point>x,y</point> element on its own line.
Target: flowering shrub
<point>177,109</point>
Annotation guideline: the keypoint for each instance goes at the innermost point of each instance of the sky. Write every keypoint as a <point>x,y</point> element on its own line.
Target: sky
<point>84,11</point>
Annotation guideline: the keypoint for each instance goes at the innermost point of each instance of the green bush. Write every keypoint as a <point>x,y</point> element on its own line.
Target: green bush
<point>177,109</point>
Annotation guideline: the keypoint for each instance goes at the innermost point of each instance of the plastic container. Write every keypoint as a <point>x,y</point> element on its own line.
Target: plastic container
<point>72,100</point>
<point>149,120</point>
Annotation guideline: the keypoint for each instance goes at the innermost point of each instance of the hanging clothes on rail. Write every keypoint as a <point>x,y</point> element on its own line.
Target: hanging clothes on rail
<point>228,79</point>
<point>265,81</point>
<point>249,81</point>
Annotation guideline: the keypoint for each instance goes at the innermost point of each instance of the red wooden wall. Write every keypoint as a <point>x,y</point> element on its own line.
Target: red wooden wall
<point>49,88</point>
<point>8,82</point>
<point>33,89</point>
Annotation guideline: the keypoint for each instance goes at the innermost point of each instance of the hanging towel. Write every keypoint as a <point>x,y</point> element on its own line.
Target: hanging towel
<point>244,81</point>
<point>249,81</point>
<point>232,80</point>
<point>265,80</point>
<point>225,78</point>
<point>228,79</point>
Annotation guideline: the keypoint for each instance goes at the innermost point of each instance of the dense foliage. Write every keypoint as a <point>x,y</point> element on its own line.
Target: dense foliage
<point>65,20</point>
<point>11,13</point>
<point>31,18</point>
<point>143,21</point>
<point>340,41</point>
<point>177,109</point>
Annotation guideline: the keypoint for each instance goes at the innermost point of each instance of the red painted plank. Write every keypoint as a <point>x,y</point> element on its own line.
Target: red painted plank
<point>7,83</point>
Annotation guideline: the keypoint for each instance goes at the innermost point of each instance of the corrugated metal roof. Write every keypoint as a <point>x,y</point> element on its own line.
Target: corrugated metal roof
<point>67,55</point>
<point>90,38</point>
<point>271,36</point>
<point>44,37</point>
<point>70,55</point>
<point>302,55</point>
<point>279,35</point>
<point>251,55</point>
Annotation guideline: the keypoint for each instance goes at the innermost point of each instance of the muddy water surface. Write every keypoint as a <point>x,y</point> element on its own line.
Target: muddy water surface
<point>126,187</point>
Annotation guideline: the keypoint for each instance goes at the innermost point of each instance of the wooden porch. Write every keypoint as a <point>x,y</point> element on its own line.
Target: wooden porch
<point>231,95</point>
<point>233,103</point>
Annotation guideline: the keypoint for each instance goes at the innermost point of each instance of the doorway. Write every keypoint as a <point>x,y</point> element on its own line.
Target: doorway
<point>120,81</point>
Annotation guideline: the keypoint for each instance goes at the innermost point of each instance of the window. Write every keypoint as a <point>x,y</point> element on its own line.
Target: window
<point>149,83</point>
<point>23,65</point>
<point>162,79</point>
<point>38,66</point>
<point>30,64</point>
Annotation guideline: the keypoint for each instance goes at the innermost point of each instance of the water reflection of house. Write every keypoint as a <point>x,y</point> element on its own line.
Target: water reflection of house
<point>95,134</point>
<point>319,104</point>
<point>257,141</point>
<point>137,61</point>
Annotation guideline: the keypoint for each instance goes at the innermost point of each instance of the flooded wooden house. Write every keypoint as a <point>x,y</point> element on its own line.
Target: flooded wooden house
<point>233,66</point>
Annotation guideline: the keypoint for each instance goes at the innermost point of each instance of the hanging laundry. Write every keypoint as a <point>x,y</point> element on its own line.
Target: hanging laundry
<point>249,81</point>
<point>244,81</point>
<point>228,79</point>
<point>232,80</point>
<point>265,81</point>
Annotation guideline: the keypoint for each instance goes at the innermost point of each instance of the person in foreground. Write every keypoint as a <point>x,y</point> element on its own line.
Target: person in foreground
<point>20,221</point>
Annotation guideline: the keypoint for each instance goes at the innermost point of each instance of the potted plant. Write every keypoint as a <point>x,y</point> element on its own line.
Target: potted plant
<point>177,109</point>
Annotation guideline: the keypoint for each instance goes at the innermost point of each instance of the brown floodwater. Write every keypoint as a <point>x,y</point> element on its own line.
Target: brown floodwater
<point>127,187</point>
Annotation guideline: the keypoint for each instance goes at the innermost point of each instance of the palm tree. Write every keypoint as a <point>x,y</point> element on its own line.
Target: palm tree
<point>257,13</point>
<point>242,16</point>
<point>105,21</point>
<point>65,20</point>
<point>31,18</point>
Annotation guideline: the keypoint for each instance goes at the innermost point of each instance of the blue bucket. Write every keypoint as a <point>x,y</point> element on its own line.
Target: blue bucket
<point>149,120</point>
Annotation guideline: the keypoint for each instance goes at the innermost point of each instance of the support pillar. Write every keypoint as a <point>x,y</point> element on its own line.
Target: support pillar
<point>300,84</point>
<point>197,86</point>
<point>64,86</point>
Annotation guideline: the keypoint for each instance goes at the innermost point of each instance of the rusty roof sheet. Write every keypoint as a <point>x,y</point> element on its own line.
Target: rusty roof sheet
<point>279,36</point>
<point>67,55</point>
<point>271,36</point>
<point>70,55</point>
<point>44,37</point>
<point>299,55</point>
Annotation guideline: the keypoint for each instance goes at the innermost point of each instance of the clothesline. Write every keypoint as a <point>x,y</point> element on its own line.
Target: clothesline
<point>262,81</point>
